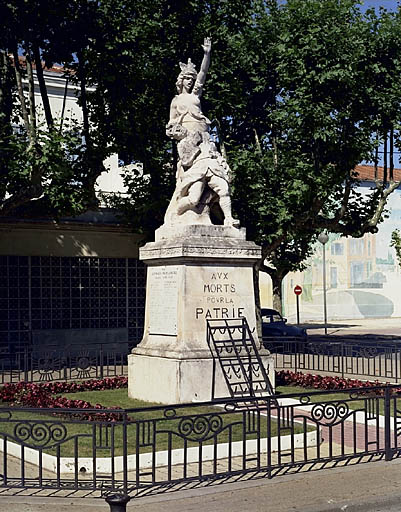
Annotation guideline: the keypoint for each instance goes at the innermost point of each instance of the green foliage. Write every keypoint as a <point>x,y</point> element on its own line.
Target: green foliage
<point>319,86</point>
<point>129,54</point>
<point>396,243</point>
<point>46,168</point>
<point>134,62</point>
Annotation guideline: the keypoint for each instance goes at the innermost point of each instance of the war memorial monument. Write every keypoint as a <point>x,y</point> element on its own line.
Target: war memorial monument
<point>197,271</point>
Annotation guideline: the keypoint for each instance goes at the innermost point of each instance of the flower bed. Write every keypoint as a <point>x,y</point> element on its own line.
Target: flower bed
<point>44,395</point>
<point>307,380</point>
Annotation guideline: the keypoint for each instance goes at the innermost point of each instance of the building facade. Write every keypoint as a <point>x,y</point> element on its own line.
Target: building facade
<point>363,277</point>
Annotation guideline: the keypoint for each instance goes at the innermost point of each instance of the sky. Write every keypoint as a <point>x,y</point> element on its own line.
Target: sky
<point>390,5</point>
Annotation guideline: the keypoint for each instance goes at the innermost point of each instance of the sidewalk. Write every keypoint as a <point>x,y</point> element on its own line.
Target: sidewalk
<point>367,487</point>
<point>359,327</point>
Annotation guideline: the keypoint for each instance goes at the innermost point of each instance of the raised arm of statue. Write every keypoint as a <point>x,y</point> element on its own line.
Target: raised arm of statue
<point>186,107</point>
<point>201,77</point>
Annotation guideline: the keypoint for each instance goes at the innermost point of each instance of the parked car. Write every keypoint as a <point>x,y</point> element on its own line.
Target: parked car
<point>273,324</point>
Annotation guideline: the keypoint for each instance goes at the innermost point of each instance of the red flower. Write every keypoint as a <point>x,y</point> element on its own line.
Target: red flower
<point>41,395</point>
<point>287,377</point>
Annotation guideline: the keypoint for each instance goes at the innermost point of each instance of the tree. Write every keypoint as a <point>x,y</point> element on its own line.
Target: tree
<point>320,95</point>
<point>134,65</point>
<point>300,93</point>
<point>46,167</point>
<point>396,243</point>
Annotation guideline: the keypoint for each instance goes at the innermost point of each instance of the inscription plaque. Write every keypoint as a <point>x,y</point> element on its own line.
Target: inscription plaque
<point>163,297</point>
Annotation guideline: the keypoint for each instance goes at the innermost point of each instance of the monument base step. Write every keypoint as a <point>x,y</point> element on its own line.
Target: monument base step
<point>178,381</point>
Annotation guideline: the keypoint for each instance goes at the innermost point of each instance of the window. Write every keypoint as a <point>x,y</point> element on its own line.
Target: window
<point>357,246</point>
<point>337,249</point>
<point>333,277</point>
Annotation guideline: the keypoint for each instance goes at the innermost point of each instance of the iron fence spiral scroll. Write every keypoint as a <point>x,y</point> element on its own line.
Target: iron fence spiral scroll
<point>398,422</point>
<point>83,362</point>
<point>169,412</point>
<point>256,370</point>
<point>368,352</point>
<point>230,329</point>
<point>330,413</point>
<point>84,365</point>
<point>317,349</point>
<point>227,350</point>
<point>359,393</point>
<point>48,363</point>
<point>43,435</point>
<point>200,428</point>
<point>5,416</point>
<point>236,371</point>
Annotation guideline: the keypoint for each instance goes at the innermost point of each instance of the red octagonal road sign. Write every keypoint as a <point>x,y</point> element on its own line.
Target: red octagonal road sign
<point>298,290</point>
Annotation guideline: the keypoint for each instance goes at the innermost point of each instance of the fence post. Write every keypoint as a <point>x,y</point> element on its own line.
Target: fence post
<point>125,454</point>
<point>26,359</point>
<point>342,358</point>
<point>101,361</point>
<point>269,437</point>
<point>118,502</point>
<point>66,361</point>
<point>387,430</point>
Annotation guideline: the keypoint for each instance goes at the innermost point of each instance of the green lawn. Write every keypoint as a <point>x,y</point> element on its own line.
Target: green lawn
<point>151,422</point>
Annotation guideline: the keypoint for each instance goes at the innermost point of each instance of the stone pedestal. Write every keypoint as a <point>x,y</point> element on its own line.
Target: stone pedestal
<point>194,273</point>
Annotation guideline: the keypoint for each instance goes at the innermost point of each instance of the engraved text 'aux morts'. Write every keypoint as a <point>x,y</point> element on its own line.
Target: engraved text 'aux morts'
<point>218,291</point>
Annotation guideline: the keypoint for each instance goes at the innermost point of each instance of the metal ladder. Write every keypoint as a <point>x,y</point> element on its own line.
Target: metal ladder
<point>233,347</point>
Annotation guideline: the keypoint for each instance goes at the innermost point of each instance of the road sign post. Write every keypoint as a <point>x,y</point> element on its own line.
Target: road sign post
<point>298,291</point>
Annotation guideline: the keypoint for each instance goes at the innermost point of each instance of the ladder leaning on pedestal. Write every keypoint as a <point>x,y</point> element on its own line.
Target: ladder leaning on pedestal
<point>233,347</point>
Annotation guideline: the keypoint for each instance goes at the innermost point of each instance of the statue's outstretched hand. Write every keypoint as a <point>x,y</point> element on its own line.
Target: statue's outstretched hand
<point>207,45</point>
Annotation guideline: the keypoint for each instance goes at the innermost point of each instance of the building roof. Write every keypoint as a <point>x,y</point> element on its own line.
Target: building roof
<point>56,68</point>
<point>367,173</point>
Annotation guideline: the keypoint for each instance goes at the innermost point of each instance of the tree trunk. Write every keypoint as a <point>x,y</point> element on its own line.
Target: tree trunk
<point>6,95</point>
<point>21,95</point>
<point>256,270</point>
<point>277,281</point>
<point>31,96</point>
<point>276,275</point>
<point>42,86</point>
<point>64,103</point>
<point>84,105</point>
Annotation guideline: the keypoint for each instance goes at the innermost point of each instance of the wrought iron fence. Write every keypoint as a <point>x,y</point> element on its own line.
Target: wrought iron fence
<point>362,359</point>
<point>138,452</point>
<point>70,363</point>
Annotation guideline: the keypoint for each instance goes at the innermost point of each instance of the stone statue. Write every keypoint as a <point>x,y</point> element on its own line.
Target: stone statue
<point>202,172</point>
